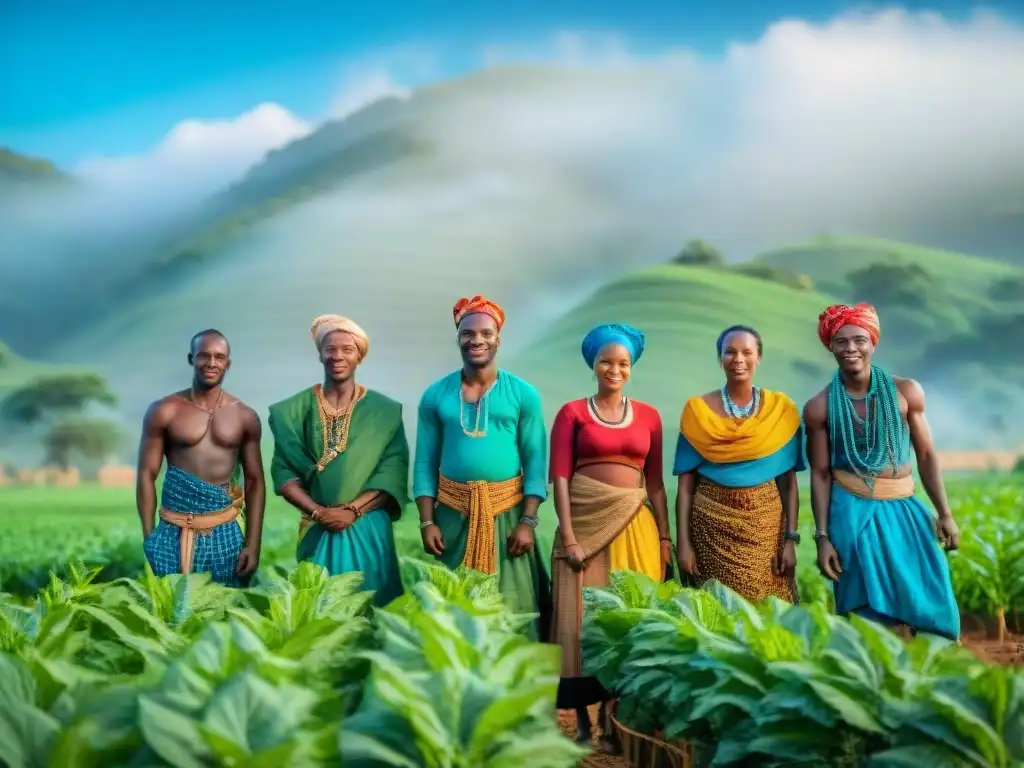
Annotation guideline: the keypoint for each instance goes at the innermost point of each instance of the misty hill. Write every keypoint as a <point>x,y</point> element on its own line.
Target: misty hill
<point>17,170</point>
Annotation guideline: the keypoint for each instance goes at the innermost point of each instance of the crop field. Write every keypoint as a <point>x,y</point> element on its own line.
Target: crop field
<point>101,664</point>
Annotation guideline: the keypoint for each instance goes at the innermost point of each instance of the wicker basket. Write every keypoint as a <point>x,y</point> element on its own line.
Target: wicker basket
<point>643,751</point>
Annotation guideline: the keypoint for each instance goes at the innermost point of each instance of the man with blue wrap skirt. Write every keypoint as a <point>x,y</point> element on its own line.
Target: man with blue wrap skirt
<point>877,542</point>
<point>205,434</point>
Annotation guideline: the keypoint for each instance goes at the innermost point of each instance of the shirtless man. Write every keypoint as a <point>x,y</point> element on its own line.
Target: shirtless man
<point>204,434</point>
<point>877,542</point>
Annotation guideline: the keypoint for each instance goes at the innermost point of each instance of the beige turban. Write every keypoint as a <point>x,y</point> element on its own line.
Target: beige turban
<point>326,324</point>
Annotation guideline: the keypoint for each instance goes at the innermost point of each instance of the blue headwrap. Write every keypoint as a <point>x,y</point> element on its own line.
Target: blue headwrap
<point>612,333</point>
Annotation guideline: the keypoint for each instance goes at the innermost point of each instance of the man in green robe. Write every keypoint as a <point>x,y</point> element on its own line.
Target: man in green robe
<point>481,467</point>
<point>342,459</point>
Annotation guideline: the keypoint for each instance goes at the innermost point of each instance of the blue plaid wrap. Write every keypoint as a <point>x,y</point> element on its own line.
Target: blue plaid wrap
<point>217,553</point>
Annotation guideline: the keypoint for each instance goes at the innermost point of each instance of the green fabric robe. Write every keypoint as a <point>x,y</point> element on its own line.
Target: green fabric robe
<point>376,458</point>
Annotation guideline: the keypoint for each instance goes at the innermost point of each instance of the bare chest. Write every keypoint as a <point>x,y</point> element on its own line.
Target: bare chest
<point>193,426</point>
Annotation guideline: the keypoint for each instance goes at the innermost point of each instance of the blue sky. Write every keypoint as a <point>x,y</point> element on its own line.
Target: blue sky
<point>111,77</point>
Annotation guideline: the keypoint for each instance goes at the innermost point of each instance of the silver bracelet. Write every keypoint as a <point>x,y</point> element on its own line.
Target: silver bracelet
<point>529,520</point>
<point>426,524</point>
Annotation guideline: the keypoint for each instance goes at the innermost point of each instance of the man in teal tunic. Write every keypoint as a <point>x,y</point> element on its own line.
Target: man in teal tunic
<point>342,459</point>
<point>481,467</point>
<point>876,540</point>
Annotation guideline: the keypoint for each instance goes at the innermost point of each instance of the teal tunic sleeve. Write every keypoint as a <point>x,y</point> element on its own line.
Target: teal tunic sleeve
<point>533,442</point>
<point>742,474</point>
<point>428,446</point>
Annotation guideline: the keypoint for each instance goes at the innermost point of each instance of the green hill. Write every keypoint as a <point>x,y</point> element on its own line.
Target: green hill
<point>682,310</point>
<point>18,169</point>
<point>829,260</point>
<point>925,295</point>
<point>16,371</point>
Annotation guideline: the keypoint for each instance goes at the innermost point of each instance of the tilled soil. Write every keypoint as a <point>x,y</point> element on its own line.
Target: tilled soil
<point>1011,651</point>
<point>598,758</point>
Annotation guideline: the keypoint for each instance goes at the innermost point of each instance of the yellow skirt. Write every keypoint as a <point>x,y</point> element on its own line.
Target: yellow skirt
<point>638,547</point>
<point>616,530</point>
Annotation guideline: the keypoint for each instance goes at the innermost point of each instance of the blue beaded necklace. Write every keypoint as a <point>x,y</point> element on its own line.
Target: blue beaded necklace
<point>735,411</point>
<point>883,438</point>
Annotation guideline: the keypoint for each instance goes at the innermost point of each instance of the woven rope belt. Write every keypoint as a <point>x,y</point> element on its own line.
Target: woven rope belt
<point>882,489</point>
<point>202,524</point>
<point>481,501</point>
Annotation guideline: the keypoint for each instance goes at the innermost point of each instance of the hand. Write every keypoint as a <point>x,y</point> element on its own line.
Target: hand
<point>687,559</point>
<point>337,519</point>
<point>575,557</point>
<point>520,541</point>
<point>785,561</point>
<point>248,561</point>
<point>949,533</point>
<point>828,560</point>
<point>666,553</point>
<point>433,540</point>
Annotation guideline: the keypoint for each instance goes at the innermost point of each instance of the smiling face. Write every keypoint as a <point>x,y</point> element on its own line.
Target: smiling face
<point>478,339</point>
<point>852,349</point>
<point>612,368</point>
<point>340,356</point>
<point>210,359</point>
<point>740,356</point>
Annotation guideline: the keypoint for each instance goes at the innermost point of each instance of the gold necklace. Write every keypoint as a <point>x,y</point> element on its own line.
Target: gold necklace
<point>335,425</point>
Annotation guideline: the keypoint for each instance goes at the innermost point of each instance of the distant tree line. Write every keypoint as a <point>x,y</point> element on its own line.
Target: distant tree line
<point>699,253</point>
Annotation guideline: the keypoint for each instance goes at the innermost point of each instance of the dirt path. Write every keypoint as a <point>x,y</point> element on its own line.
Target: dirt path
<point>599,758</point>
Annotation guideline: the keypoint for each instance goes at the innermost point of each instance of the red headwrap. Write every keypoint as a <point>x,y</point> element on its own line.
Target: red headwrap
<point>835,317</point>
<point>478,304</point>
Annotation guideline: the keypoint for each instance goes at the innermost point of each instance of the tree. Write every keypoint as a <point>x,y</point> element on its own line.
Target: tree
<point>699,253</point>
<point>55,394</point>
<point>90,438</point>
<point>58,402</point>
<point>885,285</point>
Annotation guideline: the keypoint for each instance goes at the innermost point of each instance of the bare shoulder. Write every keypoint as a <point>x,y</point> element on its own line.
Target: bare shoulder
<point>711,398</point>
<point>248,415</point>
<point>912,392</point>
<point>816,410</point>
<point>161,412</point>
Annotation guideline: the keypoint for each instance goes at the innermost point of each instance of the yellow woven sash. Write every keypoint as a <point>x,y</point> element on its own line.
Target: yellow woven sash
<point>481,501</point>
<point>884,488</point>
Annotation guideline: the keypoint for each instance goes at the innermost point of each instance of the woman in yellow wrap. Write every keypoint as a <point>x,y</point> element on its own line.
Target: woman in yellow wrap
<point>606,470</point>
<point>737,456</point>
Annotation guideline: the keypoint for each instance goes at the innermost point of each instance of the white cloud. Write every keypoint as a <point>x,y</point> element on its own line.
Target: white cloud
<point>198,156</point>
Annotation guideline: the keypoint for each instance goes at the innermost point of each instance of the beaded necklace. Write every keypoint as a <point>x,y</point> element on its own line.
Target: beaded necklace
<point>735,411</point>
<point>876,442</point>
<point>335,425</point>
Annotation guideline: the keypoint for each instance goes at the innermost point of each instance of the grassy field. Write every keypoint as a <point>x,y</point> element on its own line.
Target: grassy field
<point>45,528</point>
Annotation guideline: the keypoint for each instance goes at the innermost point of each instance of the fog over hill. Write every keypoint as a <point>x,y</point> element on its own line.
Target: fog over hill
<point>534,185</point>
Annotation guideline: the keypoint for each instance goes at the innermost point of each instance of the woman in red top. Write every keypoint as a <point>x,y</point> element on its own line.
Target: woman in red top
<point>606,468</point>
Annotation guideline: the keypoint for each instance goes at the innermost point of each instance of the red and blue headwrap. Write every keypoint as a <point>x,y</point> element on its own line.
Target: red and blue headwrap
<point>613,333</point>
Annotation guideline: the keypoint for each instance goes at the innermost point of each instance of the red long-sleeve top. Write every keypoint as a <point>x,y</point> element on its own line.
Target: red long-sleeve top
<point>577,436</point>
